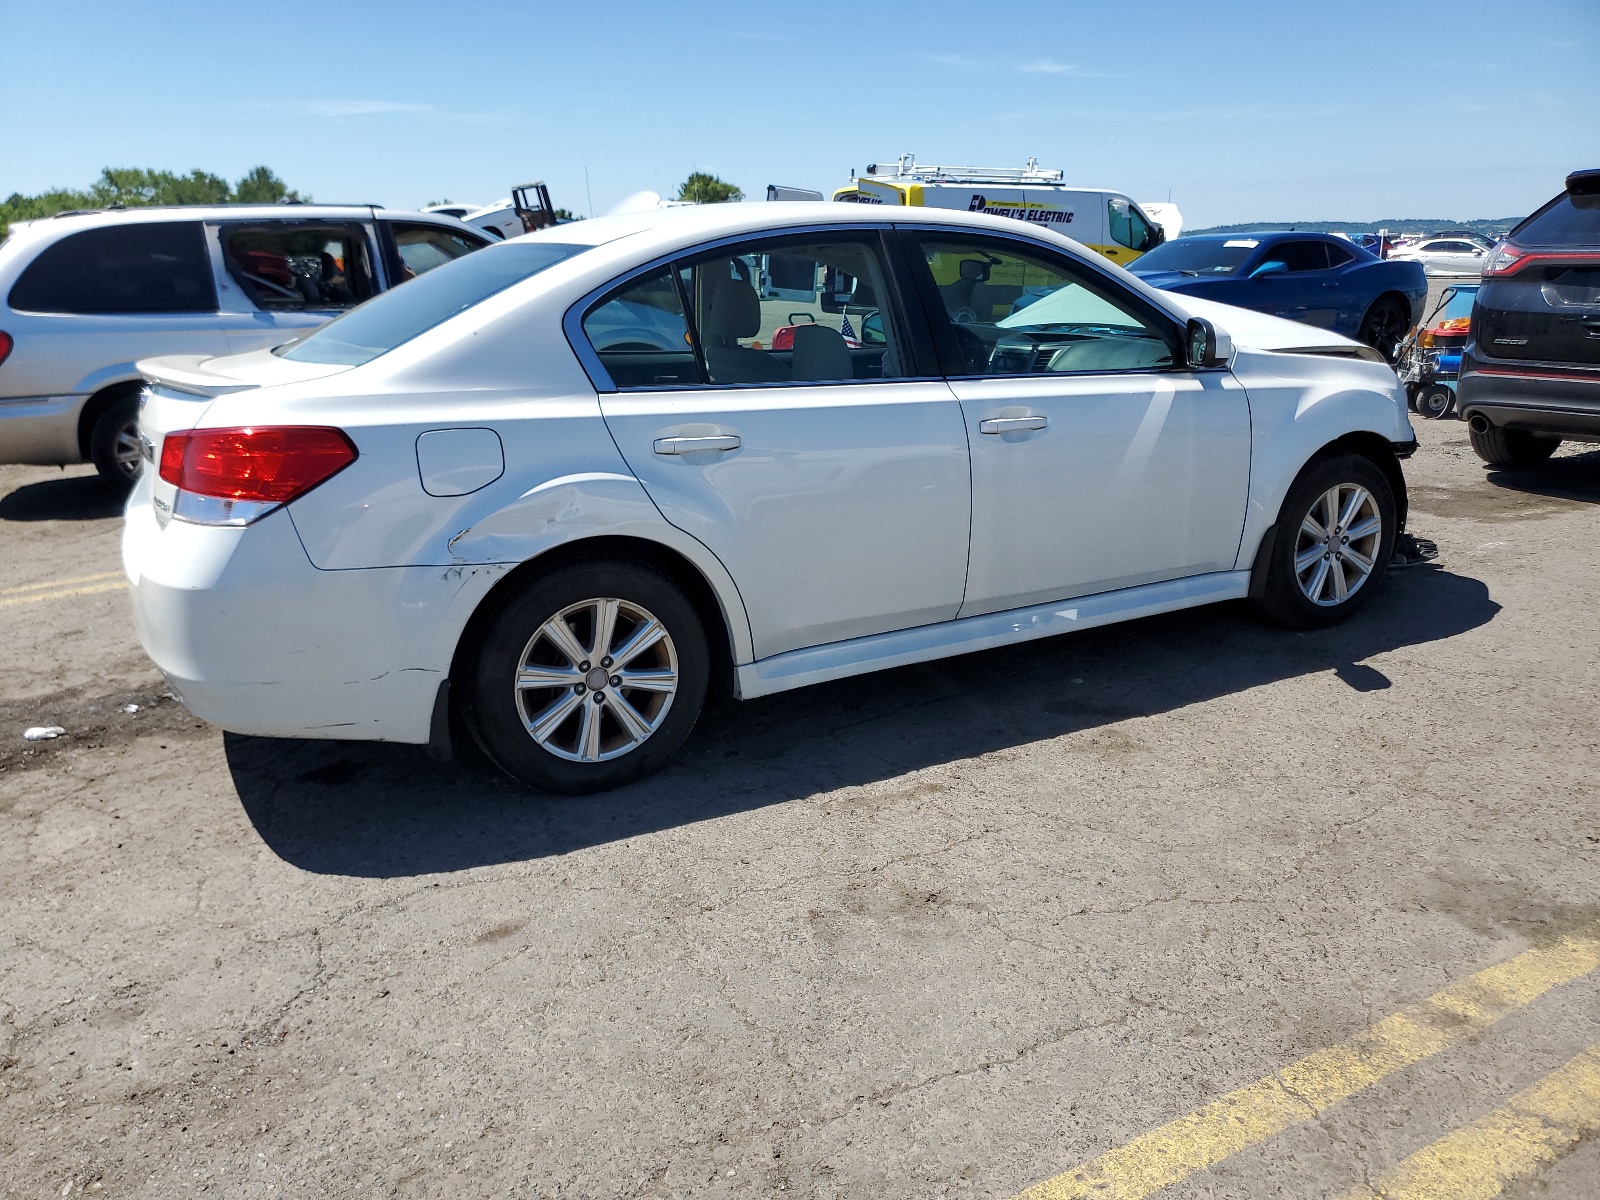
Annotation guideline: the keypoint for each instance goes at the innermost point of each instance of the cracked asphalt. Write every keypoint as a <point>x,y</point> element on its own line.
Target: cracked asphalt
<point>945,931</point>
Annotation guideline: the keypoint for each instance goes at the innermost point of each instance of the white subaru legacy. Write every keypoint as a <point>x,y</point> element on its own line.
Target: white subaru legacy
<point>552,491</point>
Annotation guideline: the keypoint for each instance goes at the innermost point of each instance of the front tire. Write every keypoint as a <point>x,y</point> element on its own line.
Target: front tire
<point>589,678</point>
<point>114,444</point>
<point>1335,538</point>
<point>1514,448</point>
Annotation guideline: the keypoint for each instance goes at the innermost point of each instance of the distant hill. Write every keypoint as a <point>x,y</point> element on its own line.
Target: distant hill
<point>1494,228</point>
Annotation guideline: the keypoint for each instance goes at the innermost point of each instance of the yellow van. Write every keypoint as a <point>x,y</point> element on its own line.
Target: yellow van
<point>1102,220</point>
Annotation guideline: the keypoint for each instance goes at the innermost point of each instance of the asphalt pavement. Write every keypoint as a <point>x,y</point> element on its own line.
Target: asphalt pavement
<point>1192,907</point>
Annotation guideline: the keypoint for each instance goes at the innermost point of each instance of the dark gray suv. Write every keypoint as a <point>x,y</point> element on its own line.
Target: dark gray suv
<point>1530,373</point>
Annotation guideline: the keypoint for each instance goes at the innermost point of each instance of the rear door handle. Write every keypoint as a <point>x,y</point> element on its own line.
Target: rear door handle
<point>1012,424</point>
<point>688,445</point>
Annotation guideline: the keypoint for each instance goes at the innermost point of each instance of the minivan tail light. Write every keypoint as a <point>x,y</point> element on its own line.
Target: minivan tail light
<point>6,342</point>
<point>260,464</point>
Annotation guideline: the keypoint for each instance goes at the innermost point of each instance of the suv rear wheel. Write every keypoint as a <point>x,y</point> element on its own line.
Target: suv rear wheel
<point>1335,537</point>
<point>1514,448</point>
<point>114,443</point>
<point>590,678</point>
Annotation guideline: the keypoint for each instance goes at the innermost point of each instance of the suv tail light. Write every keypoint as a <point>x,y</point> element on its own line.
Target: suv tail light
<point>251,470</point>
<point>6,342</point>
<point>1504,259</point>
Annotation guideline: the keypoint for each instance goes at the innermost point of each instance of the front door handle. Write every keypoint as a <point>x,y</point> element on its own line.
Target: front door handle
<point>1012,424</point>
<point>689,445</point>
<point>1331,283</point>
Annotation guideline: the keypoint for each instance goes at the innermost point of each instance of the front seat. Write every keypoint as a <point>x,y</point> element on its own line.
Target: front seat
<point>735,312</point>
<point>821,353</point>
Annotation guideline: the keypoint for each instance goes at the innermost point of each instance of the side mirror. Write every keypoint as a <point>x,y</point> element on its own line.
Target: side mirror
<point>1269,268</point>
<point>1201,345</point>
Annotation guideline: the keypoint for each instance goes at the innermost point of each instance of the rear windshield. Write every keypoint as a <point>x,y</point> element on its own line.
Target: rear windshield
<point>1198,256</point>
<point>413,308</point>
<point>1565,221</point>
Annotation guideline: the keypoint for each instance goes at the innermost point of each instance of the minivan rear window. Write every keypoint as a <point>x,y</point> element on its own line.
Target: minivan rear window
<point>134,268</point>
<point>1565,221</point>
<point>395,317</point>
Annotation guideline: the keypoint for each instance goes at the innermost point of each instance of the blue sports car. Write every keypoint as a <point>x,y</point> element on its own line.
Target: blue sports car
<point>1312,277</point>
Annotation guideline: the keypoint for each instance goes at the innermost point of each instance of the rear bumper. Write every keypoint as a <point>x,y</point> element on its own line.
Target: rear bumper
<point>255,639</point>
<point>40,430</point>
<point>1543,397</point>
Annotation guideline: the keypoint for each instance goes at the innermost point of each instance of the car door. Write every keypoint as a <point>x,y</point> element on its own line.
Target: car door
<point>1296,283</point>
<point>278,279</point>
<point>1097,464</point>
<point>792,437</point>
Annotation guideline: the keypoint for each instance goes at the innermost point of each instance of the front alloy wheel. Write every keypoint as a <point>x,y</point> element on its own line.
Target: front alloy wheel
<point>1338,544</point>
<point>1335,536</point>
<point>589,677</point>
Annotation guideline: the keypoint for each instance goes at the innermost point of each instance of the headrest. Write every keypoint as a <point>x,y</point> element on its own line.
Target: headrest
<point>821,353</point>
<point>735,310</point>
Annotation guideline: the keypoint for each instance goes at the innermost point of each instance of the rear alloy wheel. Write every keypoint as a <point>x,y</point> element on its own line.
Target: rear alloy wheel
<point>1384,326</point>
<point>1434,402</point>
<point>1514,448</point>
<point>1335,536</point>
<point>114,444</point>
<point>589,679</point>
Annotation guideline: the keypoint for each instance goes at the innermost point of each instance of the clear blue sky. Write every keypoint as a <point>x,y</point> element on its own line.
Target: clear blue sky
<point>1241,110</point>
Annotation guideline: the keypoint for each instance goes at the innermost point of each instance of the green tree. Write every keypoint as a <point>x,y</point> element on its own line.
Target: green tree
<point>261,186</point>
<point>703,188</point>
<point>131,187</point>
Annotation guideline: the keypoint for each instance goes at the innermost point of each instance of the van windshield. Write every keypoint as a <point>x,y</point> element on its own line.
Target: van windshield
<point>402,313</point>
<point>1197,256</point>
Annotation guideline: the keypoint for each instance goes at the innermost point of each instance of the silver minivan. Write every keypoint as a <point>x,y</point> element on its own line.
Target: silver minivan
<point>84,295</point>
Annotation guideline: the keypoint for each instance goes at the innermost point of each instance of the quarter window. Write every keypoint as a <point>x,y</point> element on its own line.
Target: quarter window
<point>133,268</point>
<point>424,247</point>
<point>292,266</point>
<point>1014,313</point>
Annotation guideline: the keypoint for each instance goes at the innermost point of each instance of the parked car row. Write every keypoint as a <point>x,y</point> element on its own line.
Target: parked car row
<point>84,295</point>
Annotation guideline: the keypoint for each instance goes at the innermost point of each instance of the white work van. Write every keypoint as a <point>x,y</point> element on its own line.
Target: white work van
<point>1103,220</point>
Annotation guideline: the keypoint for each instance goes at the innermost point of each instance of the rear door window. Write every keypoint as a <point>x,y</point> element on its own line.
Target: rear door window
<point>134,268</point>
<point>300,266</point>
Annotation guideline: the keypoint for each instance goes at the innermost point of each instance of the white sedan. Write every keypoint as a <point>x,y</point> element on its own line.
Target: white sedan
<point>1444,256</point>
<point>553,489</point>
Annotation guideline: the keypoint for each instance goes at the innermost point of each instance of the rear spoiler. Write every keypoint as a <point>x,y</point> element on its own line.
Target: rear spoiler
<point>1584,183</point>
<point>184,373</point>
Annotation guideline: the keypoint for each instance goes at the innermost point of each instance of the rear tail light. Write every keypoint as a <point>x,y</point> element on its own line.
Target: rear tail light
<point>6,342</point>
<point>249,470</point>
<point>1504,259</point>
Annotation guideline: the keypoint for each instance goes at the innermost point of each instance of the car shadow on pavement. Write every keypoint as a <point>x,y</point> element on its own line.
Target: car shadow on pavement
<point>1566,477</point>
<point>73,498</point>
<point>376,810</point>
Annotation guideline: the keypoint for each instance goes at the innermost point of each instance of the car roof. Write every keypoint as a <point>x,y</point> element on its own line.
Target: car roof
<point>148,213</point>
<point>1264,236</point>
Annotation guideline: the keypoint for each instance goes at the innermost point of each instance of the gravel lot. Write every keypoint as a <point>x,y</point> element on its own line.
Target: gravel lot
<point>948,930</point>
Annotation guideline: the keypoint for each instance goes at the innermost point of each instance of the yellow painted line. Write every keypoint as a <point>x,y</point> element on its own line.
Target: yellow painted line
<point>40,597</point>
<point>1478,1161</point>
<point>59,583</point>
<point>1252,1114</point>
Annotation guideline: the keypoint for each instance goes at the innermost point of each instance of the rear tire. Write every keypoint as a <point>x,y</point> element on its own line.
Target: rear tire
<point>1514,448</point>
<point>114,444</point>
<point>1335,537</point>
<point>548,696</point>
<point>1385,325</point>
